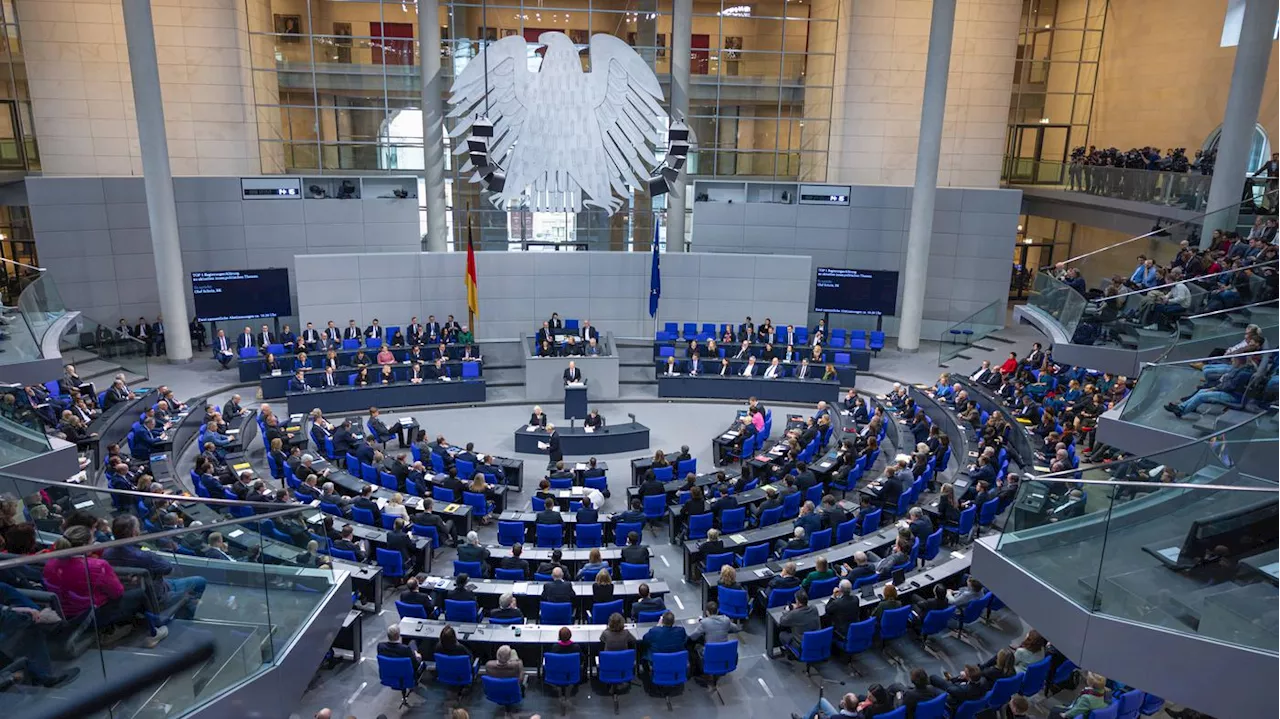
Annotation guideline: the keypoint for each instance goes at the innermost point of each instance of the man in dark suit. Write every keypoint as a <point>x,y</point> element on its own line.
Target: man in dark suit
<point>635,552</point>
<point>549,515</point>
<point>969,685</point>
<point>919,524</point>
<point>298,383</point>
<point>805,478</point>
<point>713,544</point>
<point>588,514</point>
<point>891,486</point>
<point>398,539</point>
<point>365,501</point>
<point>919,691</point>
<point>347,543</point>
<point>514,561</point>
<point>246,339</point>
<point>632,515</point>
<point>431,330</point>
<point>411,595</point>
<point>554,453</point>
<point>651,486</point>
<point>862,566</point>
<point>771,500</point>
<point>646,603</point>
<point>343,442</point>
<point>414,331</point>
<point>833,515</point>
<point>352,331</point>
<point>365,452</point>
<point>572,373</point>
<point>843,608</point>
<point>452,482</point>
<point>461,592</point>
<point>310,337</point>
<point>724,501</point>
<point>557,590</point>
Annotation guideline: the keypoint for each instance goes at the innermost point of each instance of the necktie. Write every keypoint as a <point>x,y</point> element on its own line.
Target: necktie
<point>224,344</point>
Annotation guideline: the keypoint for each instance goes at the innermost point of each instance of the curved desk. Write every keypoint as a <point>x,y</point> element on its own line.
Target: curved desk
<point>577,442</point>
<point>401,394</point>
<point>1019,434</point>
<point>275,386</point>
<point>785,389</point>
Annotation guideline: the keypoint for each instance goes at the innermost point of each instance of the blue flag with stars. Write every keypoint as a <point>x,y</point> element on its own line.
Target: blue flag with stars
<point>655,277</point>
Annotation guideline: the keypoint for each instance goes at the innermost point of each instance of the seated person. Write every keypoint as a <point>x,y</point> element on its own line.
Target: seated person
<point>646,602</point>
<point>507,609</point>
<point>664,638</point>
<point>394,647</point>
<point>798,618</point>
<point>506,664</point>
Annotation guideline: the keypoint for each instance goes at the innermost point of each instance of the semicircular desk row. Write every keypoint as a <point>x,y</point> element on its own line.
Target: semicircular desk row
<point>401,393</point>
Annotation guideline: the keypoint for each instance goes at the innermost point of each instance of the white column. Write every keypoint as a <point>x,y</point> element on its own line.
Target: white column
<point>681,37</point>
<point>162,213</point>
<point>432,126</point>
<point>1248,77</point>
<point>920,230</point>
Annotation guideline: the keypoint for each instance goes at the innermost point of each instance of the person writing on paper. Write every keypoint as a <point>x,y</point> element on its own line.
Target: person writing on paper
<point>773,371</point>
<point>671,370</point>
<point>572,373</point>
<point>537,419</point>
<point>750,369</point>
<point>593,421</point>
<point>438,370</point>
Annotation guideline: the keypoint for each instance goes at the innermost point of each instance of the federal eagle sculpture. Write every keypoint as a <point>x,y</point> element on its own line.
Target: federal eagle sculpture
<point>567,138</point>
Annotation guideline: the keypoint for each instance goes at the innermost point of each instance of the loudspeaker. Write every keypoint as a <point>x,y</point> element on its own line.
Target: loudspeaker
<point>670,174</point>
<point>658,185</point>
<point>477,144</point>
<point>479,159</point>
<point>482,127</point>
<point>495,180</point>
<point>678,132</point>
<point>676,163</point>
<point>679,148</point>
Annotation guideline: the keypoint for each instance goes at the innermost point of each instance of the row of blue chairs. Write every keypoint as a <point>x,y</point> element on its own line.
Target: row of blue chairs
<point>550,613</point>
<point>562,672</point>
<point>475,569</point>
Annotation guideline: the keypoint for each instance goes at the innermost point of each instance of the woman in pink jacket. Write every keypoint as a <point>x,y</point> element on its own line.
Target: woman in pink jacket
<point>757,419</point>
<point>88,582</point>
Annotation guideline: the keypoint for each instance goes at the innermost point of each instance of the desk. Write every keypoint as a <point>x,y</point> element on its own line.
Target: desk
<point>375,536</point>
<point>859,359</point>
<point>570,521</point>
<point>351,636</point>
<point>956,564</point>
<point>352,485</point>
<point>736,543</point>
<point>401,394</point>
<point>529,594</point>
<point>113,425</point>
<point>1019,436</point>
<point>835,555</point>
<point>703,480</point>
<point>528,640</point>
<point>641,465</point>
<point>803,391</point>
<point>568,557</point>
<point>961,435</point>
<point>187,427</point>
<point>577,442</point>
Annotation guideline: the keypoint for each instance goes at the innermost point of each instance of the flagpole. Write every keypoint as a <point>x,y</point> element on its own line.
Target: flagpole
<point>656,222</point>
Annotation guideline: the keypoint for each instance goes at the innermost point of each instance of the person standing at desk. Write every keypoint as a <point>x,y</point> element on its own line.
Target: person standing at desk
<point>553,444</point>
<point>572,373</point>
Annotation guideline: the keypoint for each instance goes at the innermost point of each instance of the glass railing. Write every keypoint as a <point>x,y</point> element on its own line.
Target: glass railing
<point>1184,540</point>
<point>1192,387</point>
<point>971,329</point>
<point>1203,334</point>
<point>87,339</point>
<point>1056,299</point>
<point>41,305</point>
<point>1186,190</point>
<point>229,603</point>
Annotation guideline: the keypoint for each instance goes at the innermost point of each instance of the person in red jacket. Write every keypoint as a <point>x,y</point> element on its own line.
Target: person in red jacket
<point>88,583</point>
<point>1010,365</point>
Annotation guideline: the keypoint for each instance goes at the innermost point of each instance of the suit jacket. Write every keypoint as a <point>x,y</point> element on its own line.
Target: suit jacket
<point>553,449</point>
<point>635,554</point>
<point>549,516</point>
<point>245,341</point>
<point>572,374</point>
<point>842,612</point>
<point>401,542</point>
<point>351,333</point>
<point>558,591</point>
<point>515,563</point>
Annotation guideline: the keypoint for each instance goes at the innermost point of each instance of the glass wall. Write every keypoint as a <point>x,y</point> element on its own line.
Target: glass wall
<point>1054,78</point>
<point>17,134</point>
<point>337,84</point>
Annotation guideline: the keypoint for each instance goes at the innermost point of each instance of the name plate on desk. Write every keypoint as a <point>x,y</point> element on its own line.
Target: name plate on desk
<point>451,508</point>
<point>275,373</point>
<point>242,467</point>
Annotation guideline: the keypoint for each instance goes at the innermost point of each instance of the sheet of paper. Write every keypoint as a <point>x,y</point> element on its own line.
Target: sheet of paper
<point>957,555</point>
<point>236,533</point>
<point>738,538</point>
<point>531,428</point>
<point>451,508</point>
<point>543,445</point>
<point>85,503</point>
<point>520,588</point>
<point>406,421</point>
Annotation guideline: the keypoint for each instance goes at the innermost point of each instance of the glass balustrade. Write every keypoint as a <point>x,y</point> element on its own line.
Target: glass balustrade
<point>1178,383</point>
<point>971,329</point>
<point>1055,298</point>
<point>1208,333</point>
<point>86,339</point>
<point>41,305</point>
<point>1184,540</point>
<point>230,600</point>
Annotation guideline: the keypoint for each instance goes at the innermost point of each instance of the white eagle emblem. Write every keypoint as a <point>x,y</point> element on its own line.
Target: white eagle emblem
<point>566,137</point>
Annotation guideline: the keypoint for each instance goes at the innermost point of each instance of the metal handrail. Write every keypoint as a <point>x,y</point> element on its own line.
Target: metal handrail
<point>1206,359</point>
<point>1229,309</point>
<point>1197,278</point>
<point>1193,221</point>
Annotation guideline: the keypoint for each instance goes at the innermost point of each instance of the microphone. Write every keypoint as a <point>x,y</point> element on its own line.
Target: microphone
<point>632,417</point>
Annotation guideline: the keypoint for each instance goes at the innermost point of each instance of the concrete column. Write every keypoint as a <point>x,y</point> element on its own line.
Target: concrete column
<point>681,37</point>
<point>162,212</point>
<point>432,126</point>
<point>920,230</point>
<point>1248,77</point>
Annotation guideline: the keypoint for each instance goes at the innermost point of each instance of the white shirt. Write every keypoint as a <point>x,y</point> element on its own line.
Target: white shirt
<point>804,371</point>
<point>772,371</point>
<point>1179,295</point>
<point>671,371</point>
<point>746,371</point>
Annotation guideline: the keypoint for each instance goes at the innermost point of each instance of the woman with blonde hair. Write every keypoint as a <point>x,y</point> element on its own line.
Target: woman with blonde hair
<point>602,589</point>
<point>728,577</point>
<point>395,507</point>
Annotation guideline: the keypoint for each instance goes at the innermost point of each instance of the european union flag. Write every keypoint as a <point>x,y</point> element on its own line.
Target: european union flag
<point>655,277</point>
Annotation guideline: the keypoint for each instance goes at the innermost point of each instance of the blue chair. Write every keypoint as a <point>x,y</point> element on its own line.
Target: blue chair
<point>814,493</point>
<point>1130,704</point>
<point>550,535</point>
<point>870,523</point>
<point>684,467</point>
<point>1064,671</point>
<point>415,611</point>
<point>510,620</point>
<point>327,508</point>
<point>669,670</point>
<point>935,708</point>
<point>823,587</point>
<point>791,505</point>
<point>770,516</point>
<point>616,669</point>
<point>666,351</point>
<point>510,533</point>
<point>969,709</point>
<point>444,494</point>
<point>1034,678</point>
<point>506,693</point>
<point>719,659</point>
<point>733,520</point>
<point>820,540</point>
<point>972,612</point>
<point>563,671</point>
<point>733,602</point>
<point>935,621</point>
<point>754,554</point>
<point>555,613</point>
<point>397,673</point>
<point>369,473</point>
<point>479,505</point>
<point>893,623</point>
<point>586,536</point>
<point>650,617</point>
<point>781,597</point>
<point>988,513</point>
<point>509,575</point>
<point>457,671</point>
<point>343,554</point>
<point>601,611</point>
<point>1151,704</point>
<point>814,647</point>
<point>561,482</point>
<point>715,561</point>
<point>838,337</point>
<point>857,639</point>
<point>845,531</point>
<point>471,569</point>
<point>932,545</point>
<point>964,525</point>
<point>457,611</point>
<point>363,516</point>
<point>600,484</point>
<point>655,507</point>
<point>1003,690</point>
<point>877,342</point>
<point>699,524</point>
<point>622,529</point>
<point>636,571</point>
<point>792,553</point>
<point>421,530</point>
<point>392,563</point>
<point>899,713</point>
<point>1107,712</point>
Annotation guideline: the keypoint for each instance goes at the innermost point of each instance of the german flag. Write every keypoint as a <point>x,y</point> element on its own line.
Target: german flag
<point>473,297</point>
